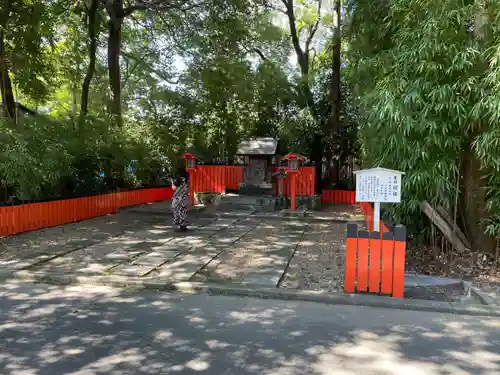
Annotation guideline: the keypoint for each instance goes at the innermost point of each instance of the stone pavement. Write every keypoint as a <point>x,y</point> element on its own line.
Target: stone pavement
<point>240,252</point>
<point>238,247</point>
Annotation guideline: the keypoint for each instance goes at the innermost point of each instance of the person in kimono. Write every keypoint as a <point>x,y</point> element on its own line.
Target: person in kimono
<point>180,201</point>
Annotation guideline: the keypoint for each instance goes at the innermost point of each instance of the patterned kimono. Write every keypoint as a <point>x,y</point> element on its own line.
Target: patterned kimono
<point>180,204</point>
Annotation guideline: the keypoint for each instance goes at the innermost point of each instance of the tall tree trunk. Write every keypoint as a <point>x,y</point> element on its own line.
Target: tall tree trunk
<point>317,143</point>
<point>93,26</point>
<point>8,101</point>
<point>473,204</point>
<point>115,12</point>
<point>473,176</point>
<point>334,118</point>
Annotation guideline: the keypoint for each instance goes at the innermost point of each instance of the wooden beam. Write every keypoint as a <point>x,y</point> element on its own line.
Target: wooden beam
<point>446,216</point>
<point>443,226</point>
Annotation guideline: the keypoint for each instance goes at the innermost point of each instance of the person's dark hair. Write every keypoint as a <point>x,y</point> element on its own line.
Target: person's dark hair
<point>180,173</point>
<point>180,176</point>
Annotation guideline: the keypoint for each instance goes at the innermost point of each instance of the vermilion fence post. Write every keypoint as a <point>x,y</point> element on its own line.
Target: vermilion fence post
<point>48,214</point>
<point>8,220</point>
<point>88,208</point>
<point>62,212</point>
<point>23,218</point>
<point>79,209</point>
<point>363,251</point>
<point>66,212</point>
<point>95,206</point>
<point>350,258</point>
<point>387,262</point>
<point>85,208</point>
<point>399,261</point>
<point>3,215</point>
<point>109,208</point>
<point>16,222</point>
<point>55,213</point>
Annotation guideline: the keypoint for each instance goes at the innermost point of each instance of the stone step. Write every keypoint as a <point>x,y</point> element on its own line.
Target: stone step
<point>257,189</point>
<point>245,200</point>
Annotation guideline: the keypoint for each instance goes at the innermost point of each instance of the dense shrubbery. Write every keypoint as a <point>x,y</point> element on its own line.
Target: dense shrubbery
<point>48,159</point>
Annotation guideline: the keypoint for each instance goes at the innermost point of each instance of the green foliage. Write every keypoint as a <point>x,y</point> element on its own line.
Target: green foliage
<point>35,160</point>
<point>426,73</point>
<point>198,78</point>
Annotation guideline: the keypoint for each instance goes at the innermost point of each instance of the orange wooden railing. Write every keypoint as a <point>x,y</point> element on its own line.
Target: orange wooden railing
<point>375,262</point>
<point>33,216</point>
<point>219,178</point>
<point>209,179</point>
<point>234,176</point>
<point>349,197</point>
<point>338,196</point>
<point>306,182</point>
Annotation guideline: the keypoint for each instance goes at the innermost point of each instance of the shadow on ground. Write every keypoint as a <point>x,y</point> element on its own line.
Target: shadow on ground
<point>48,330</point>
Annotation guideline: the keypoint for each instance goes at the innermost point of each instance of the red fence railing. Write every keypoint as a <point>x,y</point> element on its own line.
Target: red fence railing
<point>375,262</point>
<point>219,178</point>
<point>33,216</point>
<point>306,182</point>
<point>209,179</point>
<point>234,176</point>
<point>349,197</point>
<point>338,196</point>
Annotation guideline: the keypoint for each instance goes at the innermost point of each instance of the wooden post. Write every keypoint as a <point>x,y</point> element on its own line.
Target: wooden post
<point>191,165</point>
<point>363,253</point>
<point>293,191</point>
<point>398,287</point>
<point>387,262</point>
<point>191,174</point>
<point>350,258</point>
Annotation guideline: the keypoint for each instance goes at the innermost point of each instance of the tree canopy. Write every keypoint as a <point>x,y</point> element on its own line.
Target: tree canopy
<point>98,95</point>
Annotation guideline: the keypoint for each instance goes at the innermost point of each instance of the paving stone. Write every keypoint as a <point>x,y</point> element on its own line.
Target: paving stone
<point>189,263</point>
<point>260,257</point>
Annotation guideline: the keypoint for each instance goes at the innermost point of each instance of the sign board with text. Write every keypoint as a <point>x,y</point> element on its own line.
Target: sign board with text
<point>378,185</point>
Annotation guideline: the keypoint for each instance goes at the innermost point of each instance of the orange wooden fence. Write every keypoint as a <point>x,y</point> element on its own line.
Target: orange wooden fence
<point>209,179</point>
<point>375,263</point>
<point>349,197</point>
<point>26,217</point>
<point>306,182</point>
<point>338,196</point>
<point>234,176</point>
<point>219,178</point>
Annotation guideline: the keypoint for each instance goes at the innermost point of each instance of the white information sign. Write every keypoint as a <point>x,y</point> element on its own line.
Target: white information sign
<point>378,185</point>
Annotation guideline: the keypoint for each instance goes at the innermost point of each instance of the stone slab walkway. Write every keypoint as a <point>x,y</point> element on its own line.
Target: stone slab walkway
<point>244,248</point>
<point>260,257</point>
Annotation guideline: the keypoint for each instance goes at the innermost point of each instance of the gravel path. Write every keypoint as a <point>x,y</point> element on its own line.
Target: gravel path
<point>318,263</point>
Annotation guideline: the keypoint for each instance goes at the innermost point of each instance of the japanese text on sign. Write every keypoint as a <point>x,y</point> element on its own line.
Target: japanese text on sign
<point>378,186</point>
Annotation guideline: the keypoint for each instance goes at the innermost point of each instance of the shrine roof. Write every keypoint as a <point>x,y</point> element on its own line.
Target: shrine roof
<point>257,146</point>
